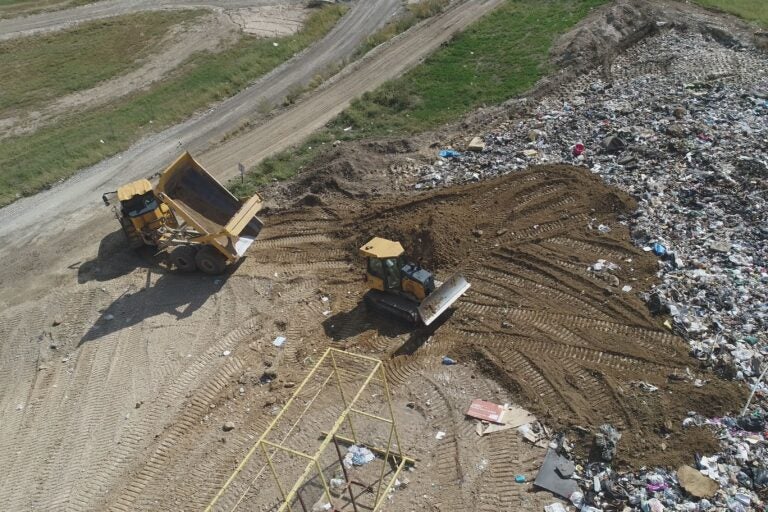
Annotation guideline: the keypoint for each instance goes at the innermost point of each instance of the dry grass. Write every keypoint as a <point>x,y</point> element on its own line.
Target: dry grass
<point>752,10</point>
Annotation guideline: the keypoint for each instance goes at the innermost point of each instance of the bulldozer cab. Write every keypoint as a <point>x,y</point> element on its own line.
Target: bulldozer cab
<point>385,259</point>
<point>388,270</point>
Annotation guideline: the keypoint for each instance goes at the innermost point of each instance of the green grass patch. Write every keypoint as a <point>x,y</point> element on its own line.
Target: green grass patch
<point>39,69</point>
<point>753,10</point>
<point>497,58</point>
<point>31,163</point>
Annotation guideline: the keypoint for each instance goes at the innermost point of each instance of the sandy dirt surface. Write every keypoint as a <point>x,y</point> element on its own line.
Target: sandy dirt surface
<point>130,391</point>
<point>118,374</point>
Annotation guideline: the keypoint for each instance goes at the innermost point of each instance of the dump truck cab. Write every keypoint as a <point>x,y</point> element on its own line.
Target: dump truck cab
<point>400,286</point>
<point>142,214</point>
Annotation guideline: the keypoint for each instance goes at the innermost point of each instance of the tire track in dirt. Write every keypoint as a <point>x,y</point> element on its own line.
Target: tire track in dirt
<point>533,322</point>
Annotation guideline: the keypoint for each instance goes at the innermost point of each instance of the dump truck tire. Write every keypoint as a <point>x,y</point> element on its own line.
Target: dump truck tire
<point>210,261</point>
<point>183,257</point>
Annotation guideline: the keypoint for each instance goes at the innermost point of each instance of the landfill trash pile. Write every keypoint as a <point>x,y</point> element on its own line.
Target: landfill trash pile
<point>681,123</point>
<point>736,480</point>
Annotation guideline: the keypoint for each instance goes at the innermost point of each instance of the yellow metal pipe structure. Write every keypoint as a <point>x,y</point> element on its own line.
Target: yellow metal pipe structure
<point>306,408</point>
<point>314,460</point>
<point>274,474</point>
<point>327,440</point>
<point>386,458</point>
<point>391,411</point>
<point>372,416</point>
<point>266,432</point>
<point>341,391</point>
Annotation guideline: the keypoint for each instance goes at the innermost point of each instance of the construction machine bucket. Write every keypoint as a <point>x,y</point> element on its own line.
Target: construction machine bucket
<point>441,299</point>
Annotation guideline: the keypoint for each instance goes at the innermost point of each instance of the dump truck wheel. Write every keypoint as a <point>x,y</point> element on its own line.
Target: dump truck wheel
<point>210,261</point>
<point>183,257</point>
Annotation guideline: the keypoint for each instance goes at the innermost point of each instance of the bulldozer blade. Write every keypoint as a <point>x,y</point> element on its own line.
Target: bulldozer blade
<point>441,299</point>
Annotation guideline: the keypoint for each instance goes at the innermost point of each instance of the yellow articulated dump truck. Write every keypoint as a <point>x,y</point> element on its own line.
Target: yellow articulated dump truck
<point>189,216</point>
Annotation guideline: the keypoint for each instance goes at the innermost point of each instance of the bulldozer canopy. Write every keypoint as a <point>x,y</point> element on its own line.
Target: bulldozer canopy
<point>381,248</point>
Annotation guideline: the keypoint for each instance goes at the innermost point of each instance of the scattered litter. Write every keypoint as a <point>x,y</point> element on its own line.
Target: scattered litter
<point>279,341</point>
<point>476,144</point>
<point>696,484</point>
<point>358,456</point>
<point>494,417</point>
<point>626,288</point>
<point>440,435</point>
<point>549,479</point>
<point>606,440</point>
<point>520,479</point>
<point>448,361</point>
<point>555,507</point>
<point>645,386</point>
<point>226,353</point>
<point>449,153</point>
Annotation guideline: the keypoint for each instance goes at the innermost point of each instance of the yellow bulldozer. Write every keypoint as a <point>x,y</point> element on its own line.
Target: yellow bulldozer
<point>189,216</point>
<point>404,289</point>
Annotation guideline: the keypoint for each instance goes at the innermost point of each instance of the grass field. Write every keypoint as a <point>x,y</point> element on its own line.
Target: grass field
<point>31,163</point>
<point>41,68</point>
<point>500,56</point>
<point>753,10</point>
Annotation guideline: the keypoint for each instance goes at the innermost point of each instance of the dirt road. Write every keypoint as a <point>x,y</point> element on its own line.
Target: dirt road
<point>57,20</point>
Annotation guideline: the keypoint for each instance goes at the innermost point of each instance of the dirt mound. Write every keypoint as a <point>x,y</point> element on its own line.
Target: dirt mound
<point>553,314</point>
<point>554,311</point>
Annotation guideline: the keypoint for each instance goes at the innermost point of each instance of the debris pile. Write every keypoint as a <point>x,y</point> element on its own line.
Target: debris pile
<point>735,480</point>
<point>686,133</point>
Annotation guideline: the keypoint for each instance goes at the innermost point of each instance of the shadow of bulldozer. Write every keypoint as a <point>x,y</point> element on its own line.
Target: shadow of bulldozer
<point>345,325</point>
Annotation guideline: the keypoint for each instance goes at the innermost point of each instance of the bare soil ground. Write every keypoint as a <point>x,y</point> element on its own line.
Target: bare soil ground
<point>120,405</point>
<point>117,393</point>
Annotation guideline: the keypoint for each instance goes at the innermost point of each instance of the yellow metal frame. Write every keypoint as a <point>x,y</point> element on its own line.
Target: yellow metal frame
<point>330,356</point>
